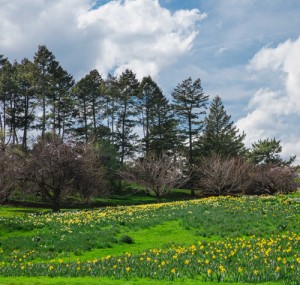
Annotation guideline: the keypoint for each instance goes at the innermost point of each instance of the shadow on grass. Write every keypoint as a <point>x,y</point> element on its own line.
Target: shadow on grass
<point>129,197</point>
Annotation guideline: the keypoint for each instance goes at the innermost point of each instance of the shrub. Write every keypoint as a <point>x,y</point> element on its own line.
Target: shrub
<point>126,239</point>
<point>56,170</point>
<point>157,173</point>
<point>273,179</point>
<point>216,175</point>
<point>11,168</point>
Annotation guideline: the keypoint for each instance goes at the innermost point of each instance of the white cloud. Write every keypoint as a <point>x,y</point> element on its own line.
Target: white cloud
<point>275,113</point>
<point>140,35</point>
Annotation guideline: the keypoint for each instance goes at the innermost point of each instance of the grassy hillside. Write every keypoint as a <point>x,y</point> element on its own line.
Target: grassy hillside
<point>247,239</point>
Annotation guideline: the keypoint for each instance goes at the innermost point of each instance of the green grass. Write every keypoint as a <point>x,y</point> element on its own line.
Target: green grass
<point>105,281</point>
<point>132,195</point>
<point>159,236</point>
<point>9,211</point>
<point>173,243</point>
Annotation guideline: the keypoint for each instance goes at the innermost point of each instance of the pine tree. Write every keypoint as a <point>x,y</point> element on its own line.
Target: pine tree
<point>190,104</point>
<point>13,107</point>
<point>111,94</point>
<point>147,90</point>
<point>163,135</point>
<point>268,151</point>
<point>157,119</point>
<point>220,136</point>
<point>60,101</point>
<point>6,89</point>
<point>126,106</point>
<point>88,96</point>
<point>25,79</point>
<point>45,64</point>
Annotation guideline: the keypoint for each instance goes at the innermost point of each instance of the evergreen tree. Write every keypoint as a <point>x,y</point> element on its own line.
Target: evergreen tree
<point>156,118</point>
<point>45,64</point>
<point>220,136</point>
<point>111,94</point>
<point>163,135</point>
<point>60,101</point>
<point>17,98</point>
<point>2,59</point>
<point>126,106</point>
<point>5,91</point>
<point>190,104</point>
<point>13,107</point>
<point>147,90</point>
<point>25,79</point>
<point>268,151</point>
<point>88,105</point>
<point>81,111</point>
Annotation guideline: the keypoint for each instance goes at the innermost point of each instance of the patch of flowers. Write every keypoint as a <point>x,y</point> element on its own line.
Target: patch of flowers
<point>234,260</point>
<point>246,239</point>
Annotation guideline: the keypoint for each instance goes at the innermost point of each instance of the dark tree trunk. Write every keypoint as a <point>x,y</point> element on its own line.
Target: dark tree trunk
<point>56,200</point>
<point>26,113</point>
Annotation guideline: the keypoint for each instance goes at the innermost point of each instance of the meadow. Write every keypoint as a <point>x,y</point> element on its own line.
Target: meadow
<point>234,240</point>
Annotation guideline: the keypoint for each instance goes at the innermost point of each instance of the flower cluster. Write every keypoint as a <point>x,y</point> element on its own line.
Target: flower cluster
<point>247,239</point>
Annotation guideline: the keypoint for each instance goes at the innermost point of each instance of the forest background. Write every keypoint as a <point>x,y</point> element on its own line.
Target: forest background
<point>60,137</point>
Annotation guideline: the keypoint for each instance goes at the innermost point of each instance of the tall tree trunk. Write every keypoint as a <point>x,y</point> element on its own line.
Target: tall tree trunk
<point>43,115</point>
<point>54,118</point>
<point>26,111</point>
<point>85,123</point>
<point>123,135</point>
<point>113,123</point>
<point>191,153</point>
<point>56,202</point>
<point>94,118</point>
<point>147,133</point>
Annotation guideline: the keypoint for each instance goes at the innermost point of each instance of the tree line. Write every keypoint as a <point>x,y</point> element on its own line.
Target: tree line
<point>39,97</point>
<point>49,121</point>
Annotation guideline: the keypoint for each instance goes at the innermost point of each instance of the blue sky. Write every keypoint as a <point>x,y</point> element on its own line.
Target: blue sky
<point>246,51</point>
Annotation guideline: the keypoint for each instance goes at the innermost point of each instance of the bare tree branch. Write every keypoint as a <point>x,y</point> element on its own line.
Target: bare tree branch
<point>57,169</point>
<point>158,174</point>
<point>271,179</point>
<point>217,175</point>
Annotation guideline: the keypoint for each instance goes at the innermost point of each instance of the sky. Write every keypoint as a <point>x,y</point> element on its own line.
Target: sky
<point>245,51</point>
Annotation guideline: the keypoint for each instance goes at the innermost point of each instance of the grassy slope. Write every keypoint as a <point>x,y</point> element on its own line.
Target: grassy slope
<point>105,281</point>
<point>131,196</point>
<point>153,237</point>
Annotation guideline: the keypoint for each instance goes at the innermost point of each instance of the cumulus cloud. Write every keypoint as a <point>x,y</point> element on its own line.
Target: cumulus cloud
<point>275,113</point>
<point>140,35</point>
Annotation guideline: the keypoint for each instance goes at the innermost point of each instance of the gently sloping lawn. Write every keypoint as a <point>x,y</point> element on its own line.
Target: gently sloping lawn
<point>159,236</point>
<point>247,239</point>
<point>107,281</point>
